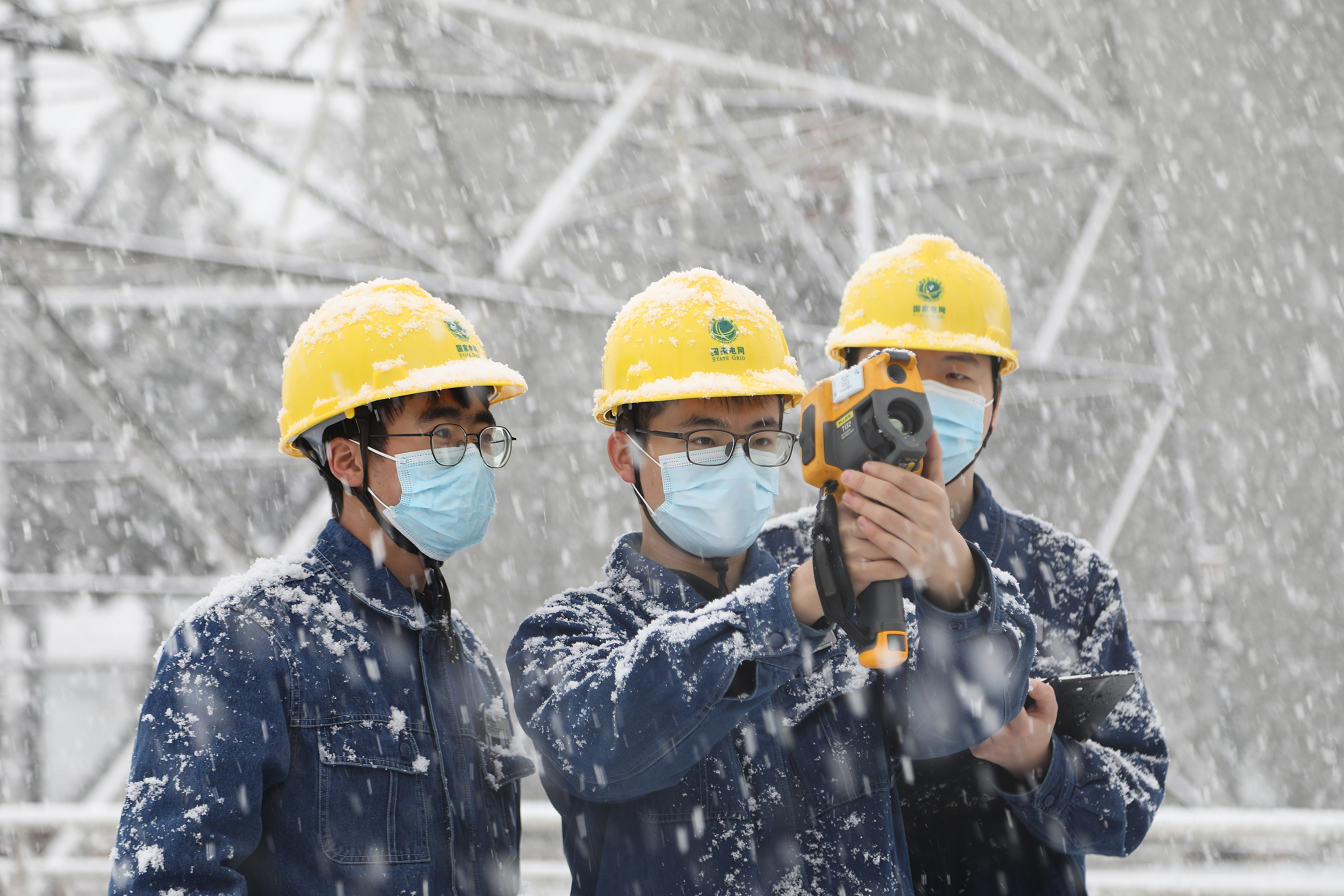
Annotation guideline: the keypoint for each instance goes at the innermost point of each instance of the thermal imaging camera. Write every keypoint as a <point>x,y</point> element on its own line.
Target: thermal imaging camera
<point>874,411</point>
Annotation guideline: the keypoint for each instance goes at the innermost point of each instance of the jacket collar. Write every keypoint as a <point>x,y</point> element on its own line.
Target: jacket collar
<point>349,561</point>
<point>985,526</point>
<point>660,589</point>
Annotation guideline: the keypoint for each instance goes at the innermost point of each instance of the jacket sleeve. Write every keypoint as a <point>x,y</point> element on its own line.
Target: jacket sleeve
<point>1099,796</point>
<point>212,738</point>
<point>620,714</point>
<point>969,671</point>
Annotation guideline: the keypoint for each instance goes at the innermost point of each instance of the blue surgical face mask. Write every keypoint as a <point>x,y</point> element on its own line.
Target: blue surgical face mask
<point>959,419</point>
<point>713,511</point>
<point>442,509</point>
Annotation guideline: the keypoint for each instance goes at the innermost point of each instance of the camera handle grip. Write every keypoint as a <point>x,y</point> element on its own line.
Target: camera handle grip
<point>882,620</point>
<point>880,630</point>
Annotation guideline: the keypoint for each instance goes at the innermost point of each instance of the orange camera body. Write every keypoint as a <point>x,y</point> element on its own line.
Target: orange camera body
<point>872,411</point>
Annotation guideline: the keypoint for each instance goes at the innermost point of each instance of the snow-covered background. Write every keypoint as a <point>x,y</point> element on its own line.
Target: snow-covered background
<point>1157,183</point>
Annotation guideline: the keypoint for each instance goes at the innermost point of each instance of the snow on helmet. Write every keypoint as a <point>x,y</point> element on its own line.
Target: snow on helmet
<point>925,293</point>
<point>377,340</point>
<point>694,334</point>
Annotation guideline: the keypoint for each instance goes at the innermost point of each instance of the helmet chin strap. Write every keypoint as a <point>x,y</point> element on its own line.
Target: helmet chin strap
<point>989,431</point>
<point>366,497</point>
<point>718,564</point>
<point>434,597</point>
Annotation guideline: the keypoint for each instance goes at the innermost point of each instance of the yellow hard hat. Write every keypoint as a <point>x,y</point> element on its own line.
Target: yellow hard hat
<point>925,293</point>
<point>694,334</point>
<point>377,340</point>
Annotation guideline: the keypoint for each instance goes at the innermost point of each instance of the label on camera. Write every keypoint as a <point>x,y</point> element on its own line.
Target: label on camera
<point>846,383</point>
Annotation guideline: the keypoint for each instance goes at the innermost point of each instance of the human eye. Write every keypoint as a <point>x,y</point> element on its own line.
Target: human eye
<point>450,435</point>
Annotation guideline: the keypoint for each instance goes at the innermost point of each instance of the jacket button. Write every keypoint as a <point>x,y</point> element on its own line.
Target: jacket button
<point>406,750</point>
<point>1048,801</point>
<point>954,626</point>
<point>776,640</point>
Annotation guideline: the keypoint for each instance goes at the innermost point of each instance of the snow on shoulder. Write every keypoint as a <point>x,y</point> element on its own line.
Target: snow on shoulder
<point>265,574</point>
<point>276,580</point>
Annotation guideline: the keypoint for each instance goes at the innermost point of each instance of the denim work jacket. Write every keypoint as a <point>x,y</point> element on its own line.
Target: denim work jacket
<point>676,773</point>
<point>973,830</point>
<point>306,732</point>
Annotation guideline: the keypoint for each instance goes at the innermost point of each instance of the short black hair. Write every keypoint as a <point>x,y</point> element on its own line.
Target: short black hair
<point>379,413</point>
<point>638,416</point>
<point>852,358</point>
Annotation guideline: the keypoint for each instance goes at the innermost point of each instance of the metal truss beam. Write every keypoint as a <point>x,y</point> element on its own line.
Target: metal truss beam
<point>1099,368</point>
<point>596,207</point>
<point>354,12</point>
<point>252,451</point>
<point>756,172</point>
<point>161,90</point>
<point>1135,476</point>
<point>44,338</point>
<point>981,169</point>
<point>741,66</point>
<point>1015,59</point>
<point>117,157</point>
<point>1079,261</point>
<point>551,209</point>
<point>377,80</point>
<point>306,266</point>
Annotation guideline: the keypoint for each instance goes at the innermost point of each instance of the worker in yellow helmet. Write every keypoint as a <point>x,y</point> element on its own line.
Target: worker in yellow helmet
<point>326,723</point>
<point>1017,813</point>
<point>703,728</point>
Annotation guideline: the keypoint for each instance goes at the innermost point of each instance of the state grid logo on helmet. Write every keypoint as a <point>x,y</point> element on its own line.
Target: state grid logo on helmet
<point>723,330</point>
<point>930,290</point>
<point>464,346</point>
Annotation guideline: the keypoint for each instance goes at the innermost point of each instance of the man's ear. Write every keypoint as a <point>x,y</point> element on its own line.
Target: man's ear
<point>994,418</point>
<point>621,454</point>
<point>345,463</point>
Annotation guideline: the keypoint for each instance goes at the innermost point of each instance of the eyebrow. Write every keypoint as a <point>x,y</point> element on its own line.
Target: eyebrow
<point>706,422</point>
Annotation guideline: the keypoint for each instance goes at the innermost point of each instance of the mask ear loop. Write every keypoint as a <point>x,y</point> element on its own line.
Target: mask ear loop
<point>365,494</point>
<point>989,430</point>
<point>435,598</point>
<point>718,564</point>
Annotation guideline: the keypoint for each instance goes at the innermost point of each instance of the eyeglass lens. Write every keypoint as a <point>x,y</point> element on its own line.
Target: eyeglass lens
<point>449,444</point>
<point>496,444</point>
<point>714,447</point>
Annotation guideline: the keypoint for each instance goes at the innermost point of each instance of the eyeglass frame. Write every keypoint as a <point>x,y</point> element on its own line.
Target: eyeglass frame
<point>466,437</point>
<point>745,439</point>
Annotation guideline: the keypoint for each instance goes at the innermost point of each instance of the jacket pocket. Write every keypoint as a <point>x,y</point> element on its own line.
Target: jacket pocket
<point>713,788</point>
<point>372,792</point>
<point>839,757</point>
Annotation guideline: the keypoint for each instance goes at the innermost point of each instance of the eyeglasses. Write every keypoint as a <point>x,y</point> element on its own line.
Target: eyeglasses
<point>448,443</point>
<point>714,447</point>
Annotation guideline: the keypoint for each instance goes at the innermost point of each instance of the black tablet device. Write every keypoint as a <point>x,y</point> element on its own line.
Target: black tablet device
<point>962,783</point>
<point>1086,700</point>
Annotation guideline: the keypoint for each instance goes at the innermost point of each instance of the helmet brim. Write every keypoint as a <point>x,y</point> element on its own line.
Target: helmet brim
<point>506,382</point>
<point>909,336</point>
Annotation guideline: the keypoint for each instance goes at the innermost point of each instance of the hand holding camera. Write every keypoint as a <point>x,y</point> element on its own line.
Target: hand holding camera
<point>867,435</point>
<point>906,518</point>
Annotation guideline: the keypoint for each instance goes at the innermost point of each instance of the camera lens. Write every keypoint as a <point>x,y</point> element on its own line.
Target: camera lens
<point>904,417</point>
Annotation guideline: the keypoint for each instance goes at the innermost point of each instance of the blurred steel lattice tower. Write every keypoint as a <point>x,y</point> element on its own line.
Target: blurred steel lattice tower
<point>186,180</point>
